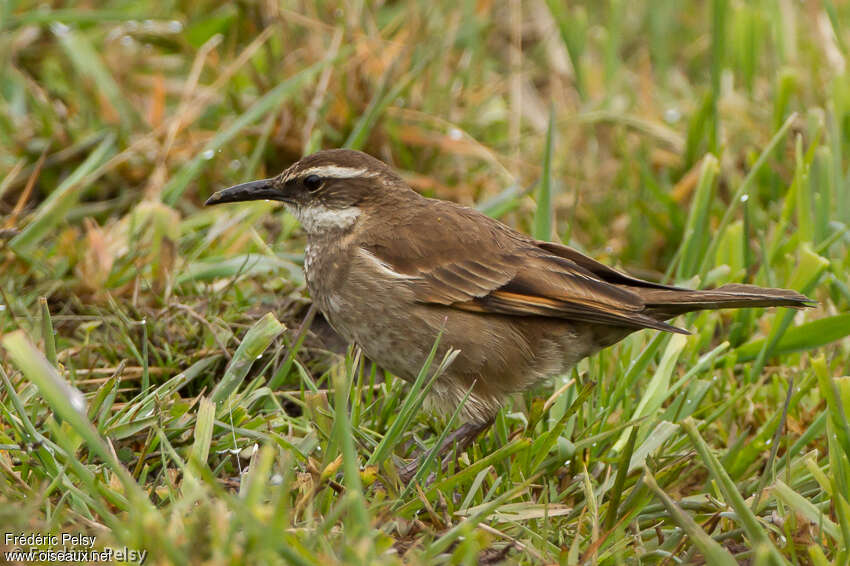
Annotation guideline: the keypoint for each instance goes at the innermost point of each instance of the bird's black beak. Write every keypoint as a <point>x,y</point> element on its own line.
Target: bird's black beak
<point>264,189</point>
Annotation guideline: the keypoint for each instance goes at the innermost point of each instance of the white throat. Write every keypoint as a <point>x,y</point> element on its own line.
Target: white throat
<point>318,218</point>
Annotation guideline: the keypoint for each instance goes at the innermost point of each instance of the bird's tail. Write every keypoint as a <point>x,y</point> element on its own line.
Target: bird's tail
<point>667,303</point>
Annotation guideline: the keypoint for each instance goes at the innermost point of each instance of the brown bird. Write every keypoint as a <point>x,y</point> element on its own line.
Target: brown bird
<point>390,268</point>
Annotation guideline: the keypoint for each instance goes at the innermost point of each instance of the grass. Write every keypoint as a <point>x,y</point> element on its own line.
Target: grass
<point>161,390</point>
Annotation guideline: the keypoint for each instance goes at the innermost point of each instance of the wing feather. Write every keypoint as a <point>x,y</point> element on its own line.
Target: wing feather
<point>474,263</point>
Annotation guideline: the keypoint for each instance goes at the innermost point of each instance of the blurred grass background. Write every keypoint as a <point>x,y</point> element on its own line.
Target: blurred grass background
<point>161,390</point>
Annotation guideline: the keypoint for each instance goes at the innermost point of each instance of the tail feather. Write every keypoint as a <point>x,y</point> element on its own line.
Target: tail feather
<point>667,303</point>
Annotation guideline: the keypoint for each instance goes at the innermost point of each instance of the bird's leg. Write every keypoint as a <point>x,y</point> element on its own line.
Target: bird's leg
<point>462,437</point>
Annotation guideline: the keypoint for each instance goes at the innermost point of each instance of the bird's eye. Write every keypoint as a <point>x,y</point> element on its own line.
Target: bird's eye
<point>312,182</point>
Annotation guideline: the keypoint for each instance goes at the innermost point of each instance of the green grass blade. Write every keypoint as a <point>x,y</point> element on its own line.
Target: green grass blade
<point>619,482</point>
<point>358,521</point>
<point>69,404</point>
<point>573,27</point>
<point>412,402</point>
<point>247,265</point>
<point>467,474</point>
<point>743,189</point>
<point>425,464</point>
<point>806,276</point>
<point>89,64</point>
<point>719,9</point>
<point>755,531</point>
<point>269,102</point>
<point>384,97</point>
<point>254,343</point>
<point>659,386</point>
<point>711,549</point>
<point>544,214</point>
<point>203,432</point>
<point>47,332</point>
<point>53,209</point>
<point>805,508</point>
<point>695,238</point>
<point>805,337</point>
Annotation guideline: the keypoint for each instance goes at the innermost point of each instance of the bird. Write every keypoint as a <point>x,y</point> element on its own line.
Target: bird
<point>390,269</point>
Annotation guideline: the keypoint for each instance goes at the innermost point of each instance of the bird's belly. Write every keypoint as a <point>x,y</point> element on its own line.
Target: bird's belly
<point>396,340</point>
<point>502,353</point>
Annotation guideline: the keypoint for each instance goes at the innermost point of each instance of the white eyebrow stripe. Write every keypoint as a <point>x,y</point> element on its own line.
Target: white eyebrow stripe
<point>335,172</point>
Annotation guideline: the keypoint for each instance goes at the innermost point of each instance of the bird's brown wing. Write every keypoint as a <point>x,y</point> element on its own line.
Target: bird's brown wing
<point>470,262</point>
<point>600,270</point>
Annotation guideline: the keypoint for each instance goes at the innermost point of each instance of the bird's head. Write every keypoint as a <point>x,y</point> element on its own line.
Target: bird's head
<point>326,191</point>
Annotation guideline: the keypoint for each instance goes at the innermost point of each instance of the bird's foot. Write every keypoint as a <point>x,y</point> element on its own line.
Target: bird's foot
<point>460,439</point>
